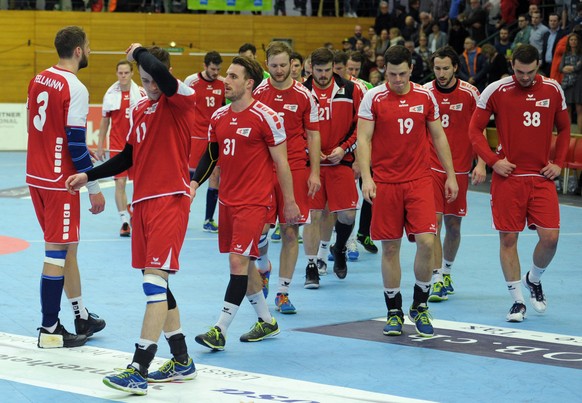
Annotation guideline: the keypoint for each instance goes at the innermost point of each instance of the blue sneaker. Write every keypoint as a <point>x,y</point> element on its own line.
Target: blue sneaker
<point>448,282</point>
<point>353,253</point>
<point>283,304</point>
<point>173,370</point>
<point>330,257</point>
<point>210,226</point>
<point>438,292</point>
<point>129,380</point>
<point>394,323</point>
<point>265,279</point>
<point>421,319</point>
<point>300,239</point>
<point>276,235</point>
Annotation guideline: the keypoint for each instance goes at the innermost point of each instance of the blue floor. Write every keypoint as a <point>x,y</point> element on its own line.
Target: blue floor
<point>113,290</point>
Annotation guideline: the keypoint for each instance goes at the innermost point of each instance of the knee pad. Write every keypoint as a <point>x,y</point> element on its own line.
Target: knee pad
<point>263,240</point>
<point>55,257</point>
<point>155,288</point>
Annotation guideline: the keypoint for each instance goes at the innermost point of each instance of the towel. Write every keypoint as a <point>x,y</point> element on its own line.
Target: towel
<point>112,98</point>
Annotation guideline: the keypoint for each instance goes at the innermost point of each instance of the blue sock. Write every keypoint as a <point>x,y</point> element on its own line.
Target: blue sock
<point>51,289</point>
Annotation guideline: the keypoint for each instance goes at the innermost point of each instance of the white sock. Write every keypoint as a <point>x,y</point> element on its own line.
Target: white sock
<point>226,316</point>
<point>424,285</point>
<point>52,328</point>
<point>263,263</point>
<point>535,274</point>
<point>311,258</point>
<point>514,288</point>
<point>259,303</point>
<point>173,333</point>
<point>323,250</point>
<point>437,276</point>
<point>284,284</point>
<point>124,216</point>
<point>78,308</point>
<point>447,266</point>
<point>144,344</point>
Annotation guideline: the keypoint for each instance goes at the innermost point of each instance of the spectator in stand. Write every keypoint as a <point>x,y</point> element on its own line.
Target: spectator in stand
<point>549,41</point>
<point>497,62</point>
<point>440,14</point>
<point>457,7</point>
<point>380,64</point>
<point>508,10</point>
<point>395,36</point>
<point>346,45</point>
<point>417,70</point>
<point>369,62</point>
<point>410,30</point>
<point>424,52</point>
<point>399,16</point>
<point>457,36</point>
<point>522,37</point>
<point>493,9</point>
<point>571,67</point>
<point>357,35</point>
<point>502,43</point>
<point>384,20</point>
<point>425,26</point>
<point>437,38</point>
<point>555,72</point>
<point>475,19</point>
<point>350,8</point>
<point>376,78</point>
<point>359,46</point>
<point>414,10</point>
<point>371,33</point>
<point>383,42</point>
<point>538,30</point>
<point>473,67</point>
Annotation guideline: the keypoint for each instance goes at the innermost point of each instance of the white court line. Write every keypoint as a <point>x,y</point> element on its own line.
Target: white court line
<point>523,334</point>
<point>80,370</point>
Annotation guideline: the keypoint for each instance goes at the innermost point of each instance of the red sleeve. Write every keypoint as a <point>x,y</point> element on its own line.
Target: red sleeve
<point>508,10</point>
<point>480,145</point>
<point>563,141</point>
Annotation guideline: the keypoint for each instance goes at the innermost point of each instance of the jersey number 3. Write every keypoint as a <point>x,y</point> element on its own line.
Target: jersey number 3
<point>40,119</point>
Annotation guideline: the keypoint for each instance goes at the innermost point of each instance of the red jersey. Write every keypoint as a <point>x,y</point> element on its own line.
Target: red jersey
<point>298,110</point>
<point>400,142</point>
<point>525,119</point>
<point>246,165</point>
<point>56,100</point>
<point>456,106</point>
<point>119,124</point>
<point>209,97</point>
<point>338,116</point>
<point>160,135</point>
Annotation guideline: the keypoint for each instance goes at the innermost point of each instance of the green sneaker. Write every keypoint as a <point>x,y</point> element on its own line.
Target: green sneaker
<point>213,339</point>
<point>448,284</point>
<point>261,330</point>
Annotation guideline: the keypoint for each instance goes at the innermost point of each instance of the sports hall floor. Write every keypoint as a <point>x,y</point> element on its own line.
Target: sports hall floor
<point>331,351</point>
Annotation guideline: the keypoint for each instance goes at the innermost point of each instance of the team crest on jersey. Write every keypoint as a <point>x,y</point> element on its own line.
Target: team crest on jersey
<point>456,107</point>
<point>416,109</point>
<point>244,131</point>
<point>217,92</point>
<point>291,107</point>
<point>341,91</point>
<point>544,103</point>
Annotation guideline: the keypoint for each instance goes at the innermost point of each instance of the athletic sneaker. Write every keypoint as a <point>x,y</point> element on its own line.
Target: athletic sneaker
<point>261,330</point>
<point>448,282</point>
<point>516,313</point>
<point>321,267</point>
<point>300,239</point>
<point>276,235</point>
<point>129,380</point>
<point>213,339</point>
<point>367,243</point>
<point>125,230</point>
<point>173,370</point>
<point>536,294</point>
<point>353,253</point>
<point>283,304</point>
<point>265,279</point>
<point>438,292</point>
<point>311,277</point>
<point>90,325</point>
<point>59,338</point>
<point>421,319</point>
<point>340,267</point>
<point>394,323</point>
<point>210,226</point>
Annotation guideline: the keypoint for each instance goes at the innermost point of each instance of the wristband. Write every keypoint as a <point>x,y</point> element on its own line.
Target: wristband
<point>93,187</point>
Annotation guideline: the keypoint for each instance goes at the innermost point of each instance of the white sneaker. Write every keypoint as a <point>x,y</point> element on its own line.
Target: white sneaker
<point>536,294</point>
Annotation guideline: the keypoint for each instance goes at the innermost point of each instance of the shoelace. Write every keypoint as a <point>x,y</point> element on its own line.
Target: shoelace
<point>516,308</point>
<point>284,299</point>
<point>167,367</point>
<point>213,333</point>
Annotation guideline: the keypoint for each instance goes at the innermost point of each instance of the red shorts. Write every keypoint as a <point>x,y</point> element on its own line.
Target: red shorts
<point>197,149</point>
<point>338,189</point>
<point>158,231</point>
<point>459,206</point>
<point>58,213</point>
<point>240,229</point>
<point>520,199</point>
<point>408,205</point>
<point>124,174</point>
<point>300,190</point>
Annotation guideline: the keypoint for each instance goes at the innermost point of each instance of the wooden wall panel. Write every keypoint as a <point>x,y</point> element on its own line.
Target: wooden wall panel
<point>111,33</point>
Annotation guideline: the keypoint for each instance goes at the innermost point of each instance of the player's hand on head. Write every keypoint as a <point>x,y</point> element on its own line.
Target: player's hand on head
<point>97,203</point>
<point>130,49</point>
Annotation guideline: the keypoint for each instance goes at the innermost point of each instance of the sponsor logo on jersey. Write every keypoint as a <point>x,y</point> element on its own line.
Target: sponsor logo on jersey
<point>233,122</point>
<point>530,97</point>
<point>403,103</point>
<point>238,248</point>
<point>432,227</point>
<point>544,103</point>
<point>278,98</point>
<point>456,107</point>
<point>217,92</point>
<point>291,107</point>
<point>416,109</point>
<point>244,131</point>
<point>445,101</point>
<point>155,261</point>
